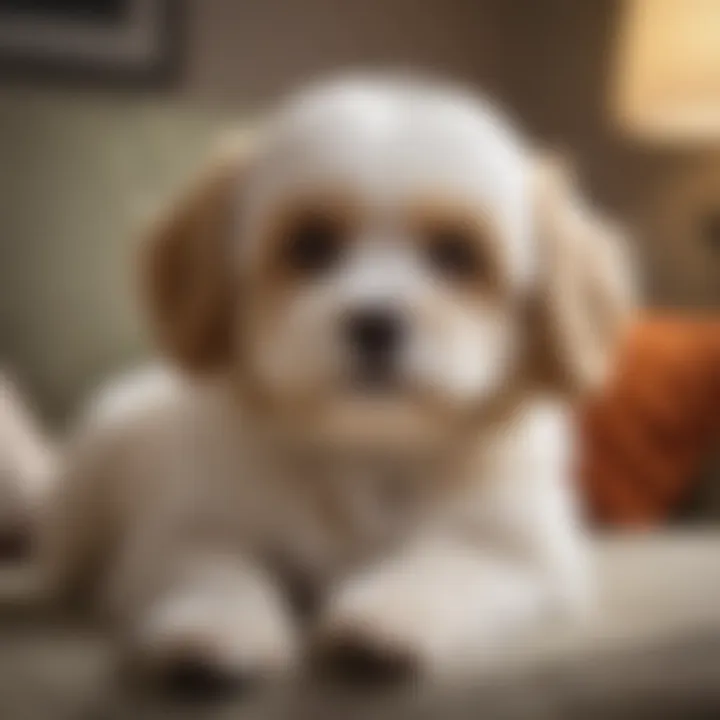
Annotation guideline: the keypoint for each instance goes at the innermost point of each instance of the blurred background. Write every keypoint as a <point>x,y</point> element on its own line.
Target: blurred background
<point>99,124</point>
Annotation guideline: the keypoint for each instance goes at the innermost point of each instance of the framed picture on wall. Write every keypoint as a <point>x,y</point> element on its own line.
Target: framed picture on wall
<point>130,39</point>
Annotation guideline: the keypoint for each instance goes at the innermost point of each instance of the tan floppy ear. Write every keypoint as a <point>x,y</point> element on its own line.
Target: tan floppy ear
<point>187,268</point>
<point>586,292</point>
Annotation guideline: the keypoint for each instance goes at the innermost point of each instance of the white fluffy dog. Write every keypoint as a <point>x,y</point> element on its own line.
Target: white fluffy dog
<point>377,311</point>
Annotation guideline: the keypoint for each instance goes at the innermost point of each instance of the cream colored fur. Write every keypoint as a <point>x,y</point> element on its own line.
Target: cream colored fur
<point>196,493</point>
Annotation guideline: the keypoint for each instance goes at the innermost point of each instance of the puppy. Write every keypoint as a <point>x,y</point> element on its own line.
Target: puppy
<point>375,314</point>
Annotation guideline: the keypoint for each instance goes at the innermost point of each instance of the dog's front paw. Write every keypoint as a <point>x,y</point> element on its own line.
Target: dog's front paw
<point>196,672</point>
<point>355,650</point>
<point>374,630</point>
<point>207,651</point>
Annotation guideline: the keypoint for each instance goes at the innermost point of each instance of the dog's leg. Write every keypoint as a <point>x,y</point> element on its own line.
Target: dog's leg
<point>438,602</point>
<point>216,621</point>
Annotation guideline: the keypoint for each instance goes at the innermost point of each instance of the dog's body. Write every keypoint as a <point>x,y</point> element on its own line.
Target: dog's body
<point>176,480</point>
<point>382,331</point>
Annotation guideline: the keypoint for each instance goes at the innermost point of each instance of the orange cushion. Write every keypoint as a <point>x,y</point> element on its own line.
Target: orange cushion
<point>645,436</point>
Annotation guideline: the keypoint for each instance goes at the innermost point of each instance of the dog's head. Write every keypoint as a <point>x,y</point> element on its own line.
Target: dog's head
<point>384,258</point>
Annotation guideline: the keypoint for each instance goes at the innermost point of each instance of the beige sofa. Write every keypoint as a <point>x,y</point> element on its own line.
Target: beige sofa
<point>652,650</point>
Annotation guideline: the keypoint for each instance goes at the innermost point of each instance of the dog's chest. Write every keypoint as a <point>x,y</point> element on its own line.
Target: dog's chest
<point>367,503</point>
<point>331,516</point>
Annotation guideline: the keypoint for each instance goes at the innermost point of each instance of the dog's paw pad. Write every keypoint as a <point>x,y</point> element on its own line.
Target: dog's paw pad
<point>195,677</point>
<point>186,673</point>
<point>354,655</point>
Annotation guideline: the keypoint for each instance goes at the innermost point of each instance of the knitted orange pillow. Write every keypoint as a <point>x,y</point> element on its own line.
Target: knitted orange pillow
<point>644,437</point>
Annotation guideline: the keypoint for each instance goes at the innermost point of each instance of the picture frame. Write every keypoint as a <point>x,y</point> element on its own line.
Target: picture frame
<point>136,41</point>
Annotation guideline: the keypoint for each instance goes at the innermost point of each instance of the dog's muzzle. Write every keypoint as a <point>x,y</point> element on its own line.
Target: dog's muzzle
<point>375,337</point>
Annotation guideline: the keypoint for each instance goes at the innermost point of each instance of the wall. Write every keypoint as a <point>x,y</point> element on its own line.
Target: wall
<point>78,173</point>
<point>249,52</point>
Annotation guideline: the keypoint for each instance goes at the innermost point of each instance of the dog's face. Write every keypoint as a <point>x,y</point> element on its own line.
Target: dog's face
<point>385,245</point>
<point>379,253</point>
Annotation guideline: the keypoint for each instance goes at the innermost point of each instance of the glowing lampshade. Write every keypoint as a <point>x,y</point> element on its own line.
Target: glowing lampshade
<point>667,79</point>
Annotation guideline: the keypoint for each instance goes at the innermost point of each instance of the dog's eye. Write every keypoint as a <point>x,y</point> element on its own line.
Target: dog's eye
<point>453,251</point>
<point>314,244</point>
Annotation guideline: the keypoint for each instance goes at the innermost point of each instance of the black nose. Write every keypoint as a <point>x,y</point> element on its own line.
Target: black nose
<point>375,334</point>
